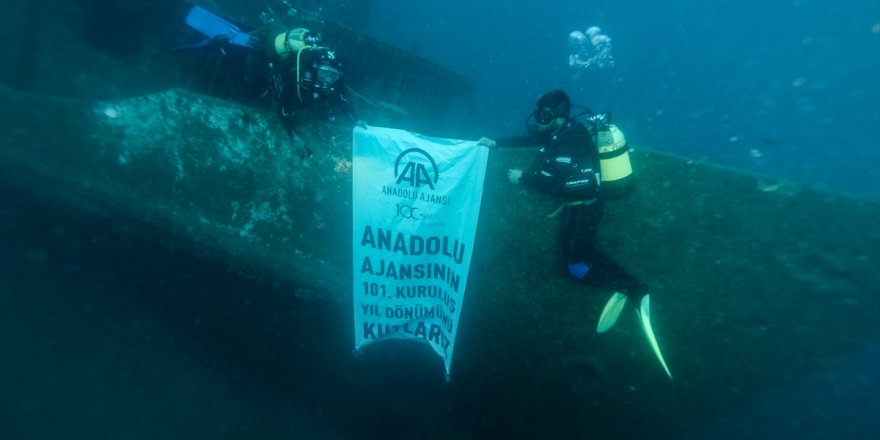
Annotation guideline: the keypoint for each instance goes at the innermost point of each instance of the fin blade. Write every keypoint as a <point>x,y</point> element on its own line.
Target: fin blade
<point>645,319</point>
<point>213,26</point>
<point>611,312</point>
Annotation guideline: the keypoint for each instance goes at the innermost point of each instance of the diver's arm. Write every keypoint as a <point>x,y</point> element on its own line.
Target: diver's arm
<point>540,180</point>
<point>517,142</point>
<point>562,177</point>
<point>510,142</point>
<point>569,185</point>
<point>541,174</point>
<point>288,122</point>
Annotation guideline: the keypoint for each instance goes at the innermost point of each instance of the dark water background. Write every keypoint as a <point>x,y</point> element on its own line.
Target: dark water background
<point>109,331</point>
<point>787,88</point>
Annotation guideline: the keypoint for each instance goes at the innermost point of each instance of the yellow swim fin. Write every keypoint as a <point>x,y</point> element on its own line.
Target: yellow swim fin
<point>611,312</point>
<point>644,314</point>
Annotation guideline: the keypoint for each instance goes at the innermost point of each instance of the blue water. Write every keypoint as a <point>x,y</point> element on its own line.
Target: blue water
<point>110,330</point>
<point>789,89</point>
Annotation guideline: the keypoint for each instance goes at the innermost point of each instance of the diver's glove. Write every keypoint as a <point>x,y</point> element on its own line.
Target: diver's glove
<point>486,142</point>
<point>643,311</point>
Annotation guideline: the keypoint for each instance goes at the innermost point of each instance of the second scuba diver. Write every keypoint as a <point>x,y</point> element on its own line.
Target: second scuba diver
<point>290,65</point>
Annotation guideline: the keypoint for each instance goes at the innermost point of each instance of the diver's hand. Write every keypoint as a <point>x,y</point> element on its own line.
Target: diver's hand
<point>514,175</point>
<point>486,142</point>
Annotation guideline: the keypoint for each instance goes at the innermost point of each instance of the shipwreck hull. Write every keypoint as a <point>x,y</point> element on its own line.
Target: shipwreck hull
<point>223,176</point>
<point>755,283</point>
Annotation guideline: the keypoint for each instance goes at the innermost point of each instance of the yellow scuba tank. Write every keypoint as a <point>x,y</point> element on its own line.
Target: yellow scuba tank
<point>291,42</point>
<point>295,42</point>
<point>614,163</point>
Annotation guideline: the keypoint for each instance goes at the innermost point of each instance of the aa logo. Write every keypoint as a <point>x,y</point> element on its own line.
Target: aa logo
<point>418,168</point>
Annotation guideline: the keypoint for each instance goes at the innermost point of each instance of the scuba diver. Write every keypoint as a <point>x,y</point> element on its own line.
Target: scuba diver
<point>290,65</point>
<point>568,166</point>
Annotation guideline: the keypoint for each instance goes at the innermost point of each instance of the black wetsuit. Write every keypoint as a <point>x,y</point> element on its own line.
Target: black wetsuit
<point>567,166</point>
<point>327,101</point>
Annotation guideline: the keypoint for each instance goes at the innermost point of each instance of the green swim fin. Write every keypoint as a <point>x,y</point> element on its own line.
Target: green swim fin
<point>611,312</point>
<point>644,314</point>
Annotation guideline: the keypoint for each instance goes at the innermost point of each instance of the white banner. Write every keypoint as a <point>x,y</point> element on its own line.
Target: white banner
<point>416,201</point>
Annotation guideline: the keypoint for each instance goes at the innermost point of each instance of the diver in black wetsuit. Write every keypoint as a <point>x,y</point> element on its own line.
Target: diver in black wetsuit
<point>305,76</point>
<point>567,166</point>
<point>290,65</point>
